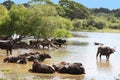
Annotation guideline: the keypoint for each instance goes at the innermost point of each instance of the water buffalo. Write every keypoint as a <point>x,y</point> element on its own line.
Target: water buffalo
<point>38,67</point>
<point>20,45</point>
<point>7,45</point>
<point>15,59</point>
<point>37,55</point>
<point>35,44</point>
<point>61,67</point>
<point>44,56</point>
<point>76,68</point>
<point>104,50</point>
<point>73,68</point>
<point>59,42</point>
<point>96,43</point>
<point>45,43</point>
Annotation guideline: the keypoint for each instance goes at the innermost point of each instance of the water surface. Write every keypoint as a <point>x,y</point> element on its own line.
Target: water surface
<point>80,48</point>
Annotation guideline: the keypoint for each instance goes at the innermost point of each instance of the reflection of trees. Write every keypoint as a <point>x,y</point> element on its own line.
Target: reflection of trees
<point>103,65</point>
<point>78,43</point>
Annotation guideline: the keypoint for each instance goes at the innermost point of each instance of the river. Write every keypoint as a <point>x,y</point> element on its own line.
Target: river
<point>80,48</point>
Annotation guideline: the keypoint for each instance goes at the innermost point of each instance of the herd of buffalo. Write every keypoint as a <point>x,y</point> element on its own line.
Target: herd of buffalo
<point>8,45</point>
<point>37,58</point>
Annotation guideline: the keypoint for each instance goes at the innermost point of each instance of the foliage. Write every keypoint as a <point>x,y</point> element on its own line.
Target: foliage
<point>41,1</point>
<point>44,19</point>
<point>38,20</point>
<point>62,33</point>
<point>60,10</point>
<point>74,10</point>
<point>78,24</point>
<point>3,11</point>
<point>100,10</point>
<point>8,4</point>
<point>116,12</point>
<point>91,28</point>
<point>14,22</point>
<point>53,25</point>
<point>96,22</point>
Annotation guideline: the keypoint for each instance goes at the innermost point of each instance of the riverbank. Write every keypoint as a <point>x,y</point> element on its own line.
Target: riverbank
<point>103,30</point>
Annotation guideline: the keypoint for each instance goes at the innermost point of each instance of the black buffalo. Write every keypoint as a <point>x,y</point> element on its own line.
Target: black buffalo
<point>61,67</point>
<point>7,45</point>
<point>59,42</point>
<point>32,56</point>
<point>38,67</point>
<point>15,59</point>
<point>73,68</point>
<point>34,43</point>
<point>76,68</point>
<point>105,51</point>
<point>20,45</point>
<point>96,43</point>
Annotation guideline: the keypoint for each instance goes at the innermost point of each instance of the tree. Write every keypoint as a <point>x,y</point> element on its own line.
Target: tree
<point>3,13</point>
<point>78,24</point>
<point>44,21</point>
<point>40,1</point>
<point>14,22</point>
<point>64,26</point>
<point>100,10</point>
<point>117,13</point>
<point>60,10</point>
<point>100,25</point>
<point>3,17</point>
<point>40,21</point>
<point>8,4</point>
<point>74,10</point>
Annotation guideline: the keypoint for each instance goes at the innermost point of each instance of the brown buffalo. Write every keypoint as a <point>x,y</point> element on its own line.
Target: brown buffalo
<point>105,51</point>
<point>45,43</point>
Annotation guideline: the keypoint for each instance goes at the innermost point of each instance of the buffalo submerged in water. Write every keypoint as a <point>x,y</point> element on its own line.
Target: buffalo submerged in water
<point>69,68</point>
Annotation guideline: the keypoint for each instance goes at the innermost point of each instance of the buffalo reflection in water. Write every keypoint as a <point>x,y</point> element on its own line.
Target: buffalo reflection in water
<point>104,66</point>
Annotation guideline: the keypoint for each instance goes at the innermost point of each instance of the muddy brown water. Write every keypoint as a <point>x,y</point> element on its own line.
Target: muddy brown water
<point>80,48</point>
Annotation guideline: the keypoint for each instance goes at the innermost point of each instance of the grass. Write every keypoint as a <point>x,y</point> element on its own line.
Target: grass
<point>103,30</point>
<point>5,70</point>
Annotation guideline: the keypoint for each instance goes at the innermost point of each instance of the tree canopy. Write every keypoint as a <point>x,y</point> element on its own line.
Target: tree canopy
<point>74,10</point>
<point>38,20</point>
<point>44,19</point>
